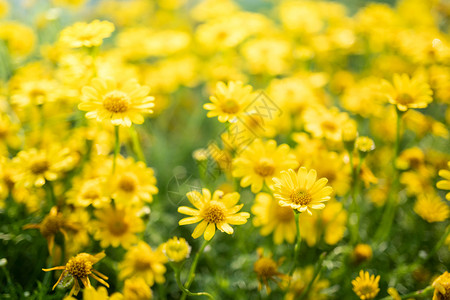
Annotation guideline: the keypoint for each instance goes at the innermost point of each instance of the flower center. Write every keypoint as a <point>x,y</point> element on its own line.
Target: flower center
<point>116,102</point>
<point>51,225</point>
<point>329,126</point>
<point>404,98</point>
<point>283,214</point>
<point>265,268</point>
<point>230,106</point>
<point>265,168</point>
<point>79,266</point>
<point>142,263</point>
<point>301,197</point>
<point>128,183</point>
<point>91,194</point>
<point>366,290</point>
<point>39,166</point>
<point>117,227</point>
<point>214,213</point>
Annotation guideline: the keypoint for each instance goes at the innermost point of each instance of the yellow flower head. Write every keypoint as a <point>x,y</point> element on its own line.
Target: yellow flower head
<point>445,184</point>
<point>90,293</point>
<point>141,261</point>
<point>80,267</point>
<point>431,208</point>
<point>266,269</point>
<point>273,218</point>
<point>53,223</point>
<point>364,144</point>
<point>366,286</point>
<point>325,123</point>
<point>407,92</point>
<point>117,226</point>
<point>300,190</point>
<point>19,39</point>
<point>442,287</point>
<point>136,288</point>
<point>229,101</point>
<point>82,34</point>
<point>299,282</point>
<point>120,104</point>
<point>176,249</point>
<point>362,253</point>
<point>219,211</point>
<point>261,161</point>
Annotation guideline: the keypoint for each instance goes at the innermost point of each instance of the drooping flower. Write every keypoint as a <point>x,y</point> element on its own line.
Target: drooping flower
<point>260,162</point>
<point>300,190</point>
<point>119,104</point>
<point>217,212</point>
<point>229,101</point>
<point>365,286</point>
<point>266,270</point>
<point>406,92</point>
<point>142,261</point>
<point>445,184</point>
<point>82,34</point>
<point>80,267</point>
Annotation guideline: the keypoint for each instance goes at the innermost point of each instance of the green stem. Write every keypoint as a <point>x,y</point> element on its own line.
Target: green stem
<point>136,144</point>
<point>420,293</point>
<point>116,147</point>
<point>184,289</point>
<point>317,270</point>
<point>191,275</point>
<point>297,244</point>
<point>9,281</point>
<point>391,206</point>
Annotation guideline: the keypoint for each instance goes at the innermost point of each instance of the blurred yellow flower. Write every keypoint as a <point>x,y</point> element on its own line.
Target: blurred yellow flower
<point>90,293</point>
<point>431,208</point>
<point>119,104</point>
<point>442,287</point>
<point>80,267</point>
<point>366,286</point>
<point>266,270</point>
<point>19,39</point>
<point>300,190</point>
<point>87,192</point>
<point>406,92</point>
<point>117,226</point>
<point>219,211</point>
<point>229,101</point>
<point>362,253</point>
<point>364,144</point>
<point>445,184</point>
<point>325,123</point>
<point>260,162</point>
<point>300,280</point>
<point>142,262</point>
<point>176,249</point>
<point>82,34</point>
<point>136,288</point>
<point>273,218</point>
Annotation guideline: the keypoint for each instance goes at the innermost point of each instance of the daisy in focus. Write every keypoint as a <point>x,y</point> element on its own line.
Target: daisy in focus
<point>217,212</point>
<point>119,104</point>
<point>82,34</point>
<point>407,92</point>
<point>366,286</point>
<point>301,191</point>
<point>80,267</point>
<point>229,101</point>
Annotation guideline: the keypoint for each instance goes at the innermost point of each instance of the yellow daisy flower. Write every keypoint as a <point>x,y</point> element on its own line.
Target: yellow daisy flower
<point>325,123</point>
<point>445,184</point>
<point>82,34</point>
<point>266,270</point>
<point>142,261</point>
<point>100,293</point>
<point>366,286</point>
<point>80,267</point>
<point>120,104</point>
<point>87,192</point>
<point>117,226</point>
<point>176,249</point>
<point>273,218</point>
<point>229,101</point>
<point>300,190</point>
<point>261,161</point>
<point>442,287</point>
<point>136,288</point>
<point>35,167</point>
<point>219,211</point>
<point>132,182</point>
<point>431,208</point>
<point>407,92</point>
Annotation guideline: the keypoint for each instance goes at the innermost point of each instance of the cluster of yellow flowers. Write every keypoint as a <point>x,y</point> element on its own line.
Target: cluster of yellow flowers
<point>329,133</point>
